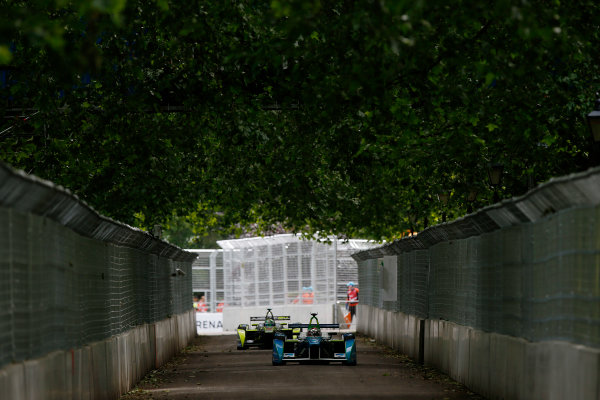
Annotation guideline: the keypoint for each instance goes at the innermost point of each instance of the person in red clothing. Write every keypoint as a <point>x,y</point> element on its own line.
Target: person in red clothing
<point>308,297</point>
<point>202,307</point>
<point>352,299</point>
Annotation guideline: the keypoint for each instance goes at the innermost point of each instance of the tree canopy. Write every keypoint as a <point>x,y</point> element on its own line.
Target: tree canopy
<point>345,117</point>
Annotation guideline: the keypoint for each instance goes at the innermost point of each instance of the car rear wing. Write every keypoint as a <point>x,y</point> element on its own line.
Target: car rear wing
<point>276,318</point>
<point>306,326</point>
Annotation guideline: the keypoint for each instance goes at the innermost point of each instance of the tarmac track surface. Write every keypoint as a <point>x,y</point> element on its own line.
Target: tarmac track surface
<point>212,368</point>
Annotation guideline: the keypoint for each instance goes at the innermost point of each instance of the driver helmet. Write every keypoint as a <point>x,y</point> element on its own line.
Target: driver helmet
<point>314,332</point>
<point>269,322</point>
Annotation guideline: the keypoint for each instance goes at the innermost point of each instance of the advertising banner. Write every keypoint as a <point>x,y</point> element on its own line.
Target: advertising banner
<point>209,322</point>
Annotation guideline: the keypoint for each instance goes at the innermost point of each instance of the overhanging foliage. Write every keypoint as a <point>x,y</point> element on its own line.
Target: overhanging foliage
<point>345,117</point>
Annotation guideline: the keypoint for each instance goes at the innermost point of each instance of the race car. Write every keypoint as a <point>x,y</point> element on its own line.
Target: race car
<point>261,334</point>
<point>314,345</point>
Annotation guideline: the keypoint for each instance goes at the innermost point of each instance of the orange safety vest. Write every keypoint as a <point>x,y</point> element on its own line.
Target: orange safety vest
<point>307,298</point>
<point>353,295</point>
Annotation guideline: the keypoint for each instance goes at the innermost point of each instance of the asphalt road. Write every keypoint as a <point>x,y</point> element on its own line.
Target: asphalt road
<point>212,368</point>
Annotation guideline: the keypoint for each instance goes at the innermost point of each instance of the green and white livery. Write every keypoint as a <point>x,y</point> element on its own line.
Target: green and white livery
<point>261,331</point>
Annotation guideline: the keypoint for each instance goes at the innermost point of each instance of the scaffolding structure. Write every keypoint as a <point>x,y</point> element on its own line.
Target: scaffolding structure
<point>288,269</point>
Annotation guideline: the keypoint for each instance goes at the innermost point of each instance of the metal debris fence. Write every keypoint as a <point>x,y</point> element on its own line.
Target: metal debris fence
<point>69,276</point>
<point>527,267</point>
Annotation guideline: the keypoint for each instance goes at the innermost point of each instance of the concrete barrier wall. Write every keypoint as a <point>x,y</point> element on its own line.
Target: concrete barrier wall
<point>395,329</point>
<point>494,365</point>
<point>101,370</point>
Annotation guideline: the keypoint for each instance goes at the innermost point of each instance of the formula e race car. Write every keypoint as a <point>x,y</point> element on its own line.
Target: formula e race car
<point>314,345</point>
<point>261,334</point>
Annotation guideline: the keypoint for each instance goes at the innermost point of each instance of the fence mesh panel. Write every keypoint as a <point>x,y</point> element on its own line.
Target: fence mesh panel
<point>538,280</point>
<point>69,276</point>
<point>61,290</point>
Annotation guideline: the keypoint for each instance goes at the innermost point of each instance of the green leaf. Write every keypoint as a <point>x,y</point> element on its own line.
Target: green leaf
<point>491,127</point>
<point>163,4</point>
<point>5,55</point>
